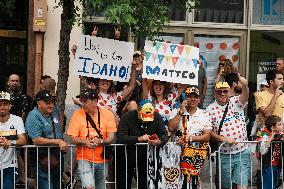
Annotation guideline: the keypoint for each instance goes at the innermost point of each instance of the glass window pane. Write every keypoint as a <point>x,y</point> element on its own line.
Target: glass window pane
<point>213,49</point>
<point>268,12</point>
<point>177,13</point>
<point>220,11</point>
<point>265,47</point>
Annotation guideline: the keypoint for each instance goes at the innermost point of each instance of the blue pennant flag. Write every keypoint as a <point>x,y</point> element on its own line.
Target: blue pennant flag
<point>195,62</point>
<point>148,55</point>
<point>160,57</point>
<point>173,48</point>
<point>158,45</point>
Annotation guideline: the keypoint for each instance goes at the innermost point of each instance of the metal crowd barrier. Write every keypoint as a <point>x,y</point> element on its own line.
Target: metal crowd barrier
<point>207,175</point>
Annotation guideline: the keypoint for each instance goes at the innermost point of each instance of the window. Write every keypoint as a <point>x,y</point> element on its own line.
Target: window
<point>19,18</point>
<point>177,13</point>
<point>268,12</point>
<point>265,47</point>
<point>220,11</point>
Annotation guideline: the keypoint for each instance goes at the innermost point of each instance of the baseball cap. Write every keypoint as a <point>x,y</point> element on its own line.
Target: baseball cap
<point>192,89</point>
<point>5,96</point>
<point>222,84</point>
<point>44,95</point>
<point>89,94</point>
<point>264,83</point>
<point>146,110</point>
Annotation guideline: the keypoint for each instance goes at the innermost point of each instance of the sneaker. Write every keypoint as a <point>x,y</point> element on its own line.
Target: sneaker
<point>20,184</point>
<point>72,182</point>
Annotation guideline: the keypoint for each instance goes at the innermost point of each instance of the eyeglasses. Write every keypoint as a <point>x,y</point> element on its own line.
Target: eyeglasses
<point>220,92</point>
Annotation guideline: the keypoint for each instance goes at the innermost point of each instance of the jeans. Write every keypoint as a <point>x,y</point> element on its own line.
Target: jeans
<point>92,174</point>
<point>271,177</point>
<point>44,181</point>
<point>9,175</point>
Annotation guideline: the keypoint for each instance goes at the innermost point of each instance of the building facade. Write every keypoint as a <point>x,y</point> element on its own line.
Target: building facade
<point>249,32</point>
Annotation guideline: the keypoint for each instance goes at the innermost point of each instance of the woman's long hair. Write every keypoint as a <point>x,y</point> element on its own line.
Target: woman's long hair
<point>228,67</point>
<point>166,92</point>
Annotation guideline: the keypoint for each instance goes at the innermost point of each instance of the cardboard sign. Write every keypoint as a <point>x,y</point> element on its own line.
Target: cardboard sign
<point>104,58</point>
<point>171,62</point>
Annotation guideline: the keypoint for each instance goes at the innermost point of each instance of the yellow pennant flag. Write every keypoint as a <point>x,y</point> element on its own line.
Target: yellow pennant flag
<point>187,49</point>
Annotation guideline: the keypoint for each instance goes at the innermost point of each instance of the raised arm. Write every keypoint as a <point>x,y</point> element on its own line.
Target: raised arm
<point>245,90</point>
<point>132,83</point>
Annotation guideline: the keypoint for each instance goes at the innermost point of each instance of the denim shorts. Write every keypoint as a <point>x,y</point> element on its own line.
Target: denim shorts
<point>235,168</point>
<point>92,174</point>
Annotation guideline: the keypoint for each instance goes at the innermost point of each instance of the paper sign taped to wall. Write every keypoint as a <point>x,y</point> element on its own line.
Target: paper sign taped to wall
<point>104,58</point>
<point>171,62</point>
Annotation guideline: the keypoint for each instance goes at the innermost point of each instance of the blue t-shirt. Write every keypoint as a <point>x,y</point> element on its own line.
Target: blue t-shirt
<point>37,125</point>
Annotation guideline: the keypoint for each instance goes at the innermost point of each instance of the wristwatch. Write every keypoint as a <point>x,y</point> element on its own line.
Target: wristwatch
<point>102,142</point>
<point>13,142</point>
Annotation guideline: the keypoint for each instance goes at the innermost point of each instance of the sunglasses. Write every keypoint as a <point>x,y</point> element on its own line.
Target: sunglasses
<point>220,92</point>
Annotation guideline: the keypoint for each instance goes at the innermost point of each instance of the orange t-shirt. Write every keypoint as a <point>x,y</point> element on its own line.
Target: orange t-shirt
<point>78,128</point>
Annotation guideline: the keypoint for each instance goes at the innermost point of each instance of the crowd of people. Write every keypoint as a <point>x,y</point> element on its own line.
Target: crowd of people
<point>142,111</point>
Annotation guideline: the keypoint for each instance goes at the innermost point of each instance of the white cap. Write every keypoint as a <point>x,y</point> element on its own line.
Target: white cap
<point>4,96</point>
<point>263,82</point>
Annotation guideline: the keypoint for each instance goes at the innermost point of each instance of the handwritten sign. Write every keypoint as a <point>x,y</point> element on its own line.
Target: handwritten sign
<point>171,62</point>
<point>104,58</point>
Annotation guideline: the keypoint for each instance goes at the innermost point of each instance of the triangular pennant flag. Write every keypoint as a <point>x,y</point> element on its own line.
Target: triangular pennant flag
<point>168,59</point>
<point>181,59</point>
<point>154,57</point>
<point>175,59</point>
<point>180,49</point>
<point>160,57</point>
<point>187,61</point>
<point>165,46</point>
<point>195,62</point>
<point>173,48</point>
<point>187,49</point>
<point>158,45</point>
<point>148,55</point>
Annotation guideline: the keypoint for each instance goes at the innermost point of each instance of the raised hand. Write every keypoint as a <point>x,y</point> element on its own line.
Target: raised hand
<point>117,32</point>
<point>95,31</point>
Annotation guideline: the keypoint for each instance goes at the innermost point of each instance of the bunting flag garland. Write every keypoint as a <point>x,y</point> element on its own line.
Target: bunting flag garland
<point>168,59</point>
<point>171,62</point>
<point>187,50</point>
<point>180,49</point>
<point>148,55</point>
<point>181,59</point>
<point>154,57</point>
<point>173,48</point>
<point>165,46</point>
<point>175,59</point>
<point>158,45</point>
<point>160,57</point>
<point>195,62</point>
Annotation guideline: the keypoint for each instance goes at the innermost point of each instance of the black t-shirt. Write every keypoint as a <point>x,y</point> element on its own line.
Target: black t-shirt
<point>20,103</point>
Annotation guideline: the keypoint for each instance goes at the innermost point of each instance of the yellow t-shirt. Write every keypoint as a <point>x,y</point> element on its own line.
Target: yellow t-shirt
<point>262,100</point>
<point>78,128</point>
<point>279,106</point>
